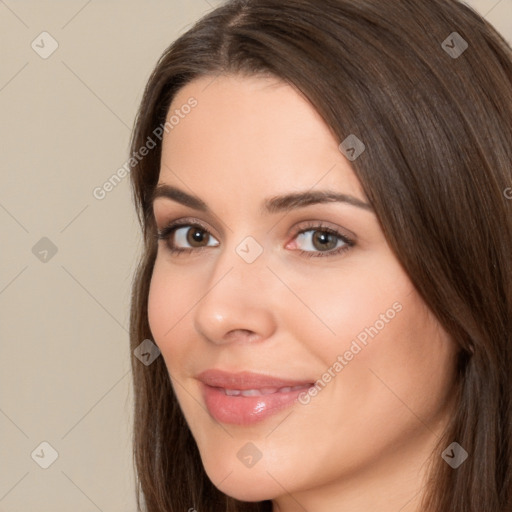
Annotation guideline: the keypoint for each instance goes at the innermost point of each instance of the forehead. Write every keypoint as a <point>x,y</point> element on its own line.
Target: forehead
<point>257,132</point>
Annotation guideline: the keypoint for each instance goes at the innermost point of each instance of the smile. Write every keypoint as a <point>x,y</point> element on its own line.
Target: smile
<point>246,398</point>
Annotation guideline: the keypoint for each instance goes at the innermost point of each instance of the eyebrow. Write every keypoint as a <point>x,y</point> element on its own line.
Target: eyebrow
<point>283,203</point>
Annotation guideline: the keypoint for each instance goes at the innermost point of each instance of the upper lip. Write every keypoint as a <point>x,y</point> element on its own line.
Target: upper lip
<point>246,380</point>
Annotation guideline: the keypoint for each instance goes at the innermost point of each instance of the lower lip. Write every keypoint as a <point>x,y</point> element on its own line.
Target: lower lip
<point>246,410</point>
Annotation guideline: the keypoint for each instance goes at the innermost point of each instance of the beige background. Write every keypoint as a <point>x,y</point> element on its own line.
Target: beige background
<point>64,353</point>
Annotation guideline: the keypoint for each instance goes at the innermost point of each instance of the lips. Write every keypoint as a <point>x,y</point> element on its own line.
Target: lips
<point>246,380</point>
<point>245,398</point>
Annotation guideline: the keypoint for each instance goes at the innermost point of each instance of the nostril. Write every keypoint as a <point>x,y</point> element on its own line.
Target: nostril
<point>242,335</point>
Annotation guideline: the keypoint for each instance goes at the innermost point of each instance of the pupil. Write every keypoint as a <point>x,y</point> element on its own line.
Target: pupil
<point>324,241</point>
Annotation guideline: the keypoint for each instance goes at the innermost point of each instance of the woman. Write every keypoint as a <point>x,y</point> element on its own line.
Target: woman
<point>326,268</point>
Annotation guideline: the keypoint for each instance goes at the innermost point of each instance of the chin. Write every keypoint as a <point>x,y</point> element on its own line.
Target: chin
<point>244,484</point>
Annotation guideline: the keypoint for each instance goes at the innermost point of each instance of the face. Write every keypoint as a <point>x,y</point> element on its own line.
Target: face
<point>300,353</point>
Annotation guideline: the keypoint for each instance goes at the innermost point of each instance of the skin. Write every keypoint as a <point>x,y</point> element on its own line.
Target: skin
<point>363,442</point>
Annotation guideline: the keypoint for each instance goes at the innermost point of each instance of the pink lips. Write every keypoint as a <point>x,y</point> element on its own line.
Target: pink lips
<point>245,398</point>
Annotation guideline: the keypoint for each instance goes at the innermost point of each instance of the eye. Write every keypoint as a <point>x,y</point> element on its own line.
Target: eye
<point>194,236</point>
<point>187,237</point>
<point>321,241</point>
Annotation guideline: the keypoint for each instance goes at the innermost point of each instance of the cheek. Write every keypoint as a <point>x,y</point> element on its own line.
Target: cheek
<point>401,376</point>
<point>376,341</point>
<point>357,301</point>
<point>158,305</point>
<point>171,298</point>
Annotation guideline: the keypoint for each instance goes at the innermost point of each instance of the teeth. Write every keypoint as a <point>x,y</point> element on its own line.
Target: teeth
<point>268,391</point>
<point>262,391</point>
<point>251,392</point>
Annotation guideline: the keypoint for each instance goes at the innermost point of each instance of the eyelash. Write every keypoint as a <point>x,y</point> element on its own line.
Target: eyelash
<point>169,230</point>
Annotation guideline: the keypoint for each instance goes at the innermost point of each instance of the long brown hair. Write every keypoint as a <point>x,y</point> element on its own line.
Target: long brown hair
<point>427,87</point>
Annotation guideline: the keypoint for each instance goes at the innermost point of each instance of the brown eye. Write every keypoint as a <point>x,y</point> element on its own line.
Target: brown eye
<point>188,237</point>
<point>324,241</point>
<point>197,237</point>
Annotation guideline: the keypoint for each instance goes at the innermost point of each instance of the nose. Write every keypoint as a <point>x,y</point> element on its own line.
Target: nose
<point>238,304</point>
